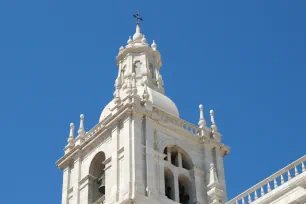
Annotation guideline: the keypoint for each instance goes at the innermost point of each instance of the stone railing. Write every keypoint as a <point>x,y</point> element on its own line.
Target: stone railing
<point>94,130</point>
<point>271,183</point>
<point>190,128</point>
<point>100,201</point>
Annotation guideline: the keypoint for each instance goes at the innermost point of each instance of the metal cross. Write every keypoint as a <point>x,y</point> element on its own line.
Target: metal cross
<point>138,17</point>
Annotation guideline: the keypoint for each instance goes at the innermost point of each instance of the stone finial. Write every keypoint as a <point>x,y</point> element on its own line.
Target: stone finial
<point>129,40</point>
<point>81,130</point>
<point>138,35</point>
<point>212,119</point>
<point>154,46</point>
<point>71,134</point>
<point>202,121</point>
<point>121,48</point>
<point>144,40</point>
<point>137,28</point>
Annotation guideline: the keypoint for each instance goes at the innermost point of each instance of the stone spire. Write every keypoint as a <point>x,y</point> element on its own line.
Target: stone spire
<point>154,46</point>
<point>202,122</point>
<point>137,37</point>
<point>213,179</point>
<point>81,130</point>
<point>71,135</point>
<point>213,126</point>
<point>215,193</point>
<point>71,140</point>
<point>138,62</point>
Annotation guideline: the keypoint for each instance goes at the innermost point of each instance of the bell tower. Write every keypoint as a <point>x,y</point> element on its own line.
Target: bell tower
<point>141,151</point>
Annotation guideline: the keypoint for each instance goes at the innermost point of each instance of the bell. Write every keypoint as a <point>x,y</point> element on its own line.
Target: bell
<point>102,189</point>
<point>101,182</point>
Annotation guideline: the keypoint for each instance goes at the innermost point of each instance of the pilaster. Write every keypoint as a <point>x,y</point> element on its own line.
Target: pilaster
<point>151,162</point>
<point>85,190</point>
<point>200,189</point>
<point>76,180</point>
<point>138,154</point>
<point>114,169</point>
<point>128,168</point>
<point>65,185</point>
<point>220,172</point>
<point>108,180</point>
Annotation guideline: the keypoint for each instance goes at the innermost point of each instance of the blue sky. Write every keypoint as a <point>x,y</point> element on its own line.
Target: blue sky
<point>245,59</point>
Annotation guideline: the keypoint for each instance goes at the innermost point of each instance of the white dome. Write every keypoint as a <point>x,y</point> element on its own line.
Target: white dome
<point>162,102</point>
<point>158,100</point>
<point>106,111</point>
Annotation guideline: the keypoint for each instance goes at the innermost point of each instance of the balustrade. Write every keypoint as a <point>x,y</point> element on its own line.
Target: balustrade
<point>274,181</point>
<point>190,128</point>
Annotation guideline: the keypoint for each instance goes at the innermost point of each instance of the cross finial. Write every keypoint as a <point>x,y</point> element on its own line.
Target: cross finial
<point>138,17</point>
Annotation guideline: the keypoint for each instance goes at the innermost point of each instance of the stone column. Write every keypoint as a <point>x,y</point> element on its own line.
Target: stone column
<point>169,154</point>
<point>161,168</point>
<point>160,172</point>
<point>65,186</point>
<point>176,185</point>
<point>180,160</point>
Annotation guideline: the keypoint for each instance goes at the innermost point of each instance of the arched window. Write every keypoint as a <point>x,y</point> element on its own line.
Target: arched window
<point>169,184</point>
<point>136,67</point>
<point>179,157</point>
<point>96,170</point>
<point>186,162</point>
<point>185,190</point>
<point>165,152</point>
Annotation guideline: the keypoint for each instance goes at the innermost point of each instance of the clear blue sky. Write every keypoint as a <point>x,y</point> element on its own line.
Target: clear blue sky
<point>245,59</point>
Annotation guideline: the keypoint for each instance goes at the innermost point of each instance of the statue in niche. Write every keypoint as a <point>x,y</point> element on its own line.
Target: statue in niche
<point>136,67</point>
<point>122,73</point>
<point>151,68</point>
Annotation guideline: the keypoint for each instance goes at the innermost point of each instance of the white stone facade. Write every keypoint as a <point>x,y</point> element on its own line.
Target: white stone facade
<point>141,151</point>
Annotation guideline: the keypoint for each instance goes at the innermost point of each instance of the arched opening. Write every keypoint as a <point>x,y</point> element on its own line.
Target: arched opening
<point>185,189</point>
<point>96,171</point>
<point>123,73</point>
<point>179,157</point>
<point>174,157</point>
<point>165,152</point>
<point>169,184</point>
<point>186,161</point>
<point>152,71</point>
